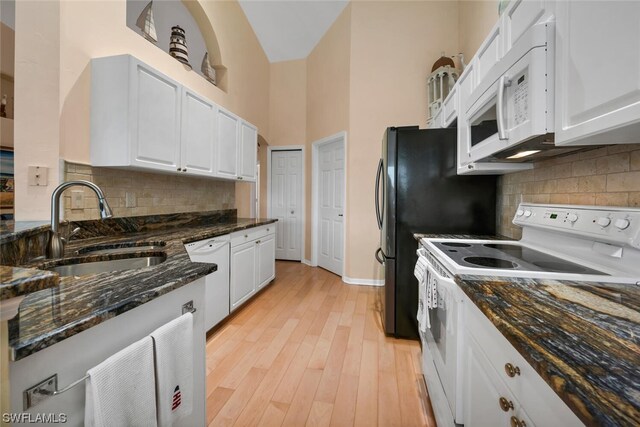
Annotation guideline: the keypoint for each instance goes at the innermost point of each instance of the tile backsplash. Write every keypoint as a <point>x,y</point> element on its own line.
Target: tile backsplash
<point>606,176</point>
<point>134,193</point>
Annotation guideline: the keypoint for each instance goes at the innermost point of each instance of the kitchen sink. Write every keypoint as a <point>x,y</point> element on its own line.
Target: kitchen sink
<point>120,248</point>
<point>83,267</point>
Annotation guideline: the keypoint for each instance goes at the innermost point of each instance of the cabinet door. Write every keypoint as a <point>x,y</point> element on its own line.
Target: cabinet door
<point>489,53</point>
<point>242,282</point>
<point>518,17</point>
<point>450,107</point>
<point>483,392</point>
<point>248,151</point>
<point>197,141</point>
<point>228,133</point>
<point>156,120</point>
<point>266,260</point>
<point>597,72</point>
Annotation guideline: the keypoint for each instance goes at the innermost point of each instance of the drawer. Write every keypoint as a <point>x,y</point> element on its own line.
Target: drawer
<point>488,401</point>
<point>542,403</point>
<point>250,234</point>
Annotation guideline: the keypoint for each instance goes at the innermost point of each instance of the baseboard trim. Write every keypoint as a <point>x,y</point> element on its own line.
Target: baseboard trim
<point>307,262</point>
<point>364,282</point>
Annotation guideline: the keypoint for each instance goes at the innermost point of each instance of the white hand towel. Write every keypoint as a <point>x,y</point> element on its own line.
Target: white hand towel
<point>174,369</point>
<point>121,390</point>
<point>421,274</point>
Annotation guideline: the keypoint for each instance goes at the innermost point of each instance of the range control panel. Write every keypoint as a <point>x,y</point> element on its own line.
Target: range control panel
<point>611,224</point>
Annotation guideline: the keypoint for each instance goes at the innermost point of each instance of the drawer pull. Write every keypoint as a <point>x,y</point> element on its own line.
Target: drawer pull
<point>511,370</point>
<point>505,404</point>
<point>246,235</point>
<point>516,422</point>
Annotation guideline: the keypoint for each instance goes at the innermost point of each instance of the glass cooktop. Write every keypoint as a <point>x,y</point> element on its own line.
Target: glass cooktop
<point>509,256</point>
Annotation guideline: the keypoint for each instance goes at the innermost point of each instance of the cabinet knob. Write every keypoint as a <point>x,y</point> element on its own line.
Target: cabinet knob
<point>257,242</point>
<point>239,177</point>
<point>505,404</point>
<point>184,169</point>
<point>179,169</point>
<point>516,422</point>
<point>511,370</point>
<point>246,235</point>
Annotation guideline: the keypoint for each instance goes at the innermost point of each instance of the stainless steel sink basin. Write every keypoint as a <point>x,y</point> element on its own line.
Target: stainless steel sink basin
<point>82,268</point>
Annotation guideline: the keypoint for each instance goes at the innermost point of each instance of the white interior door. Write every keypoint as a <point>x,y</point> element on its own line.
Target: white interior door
<point>331,206</point>
<point>286,202</point>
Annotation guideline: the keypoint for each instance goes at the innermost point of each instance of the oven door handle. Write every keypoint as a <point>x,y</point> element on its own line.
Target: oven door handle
<point>502,128</point>
<point>446,282</point>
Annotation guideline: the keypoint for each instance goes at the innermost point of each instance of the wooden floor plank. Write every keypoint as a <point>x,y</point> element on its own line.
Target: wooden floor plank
<point>310,350</point>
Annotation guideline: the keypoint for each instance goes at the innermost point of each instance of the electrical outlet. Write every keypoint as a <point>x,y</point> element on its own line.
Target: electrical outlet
<point>77,199</point>
<point>130,200</point>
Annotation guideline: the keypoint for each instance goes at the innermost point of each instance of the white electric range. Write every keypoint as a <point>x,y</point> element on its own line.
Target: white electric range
<point>561,242</point>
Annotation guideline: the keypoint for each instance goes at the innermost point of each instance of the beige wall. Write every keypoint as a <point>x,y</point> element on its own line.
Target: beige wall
<point>81,30</point>
<point>37,89</point>
<point>328,81</point>
<point>475,20</point>
<point>393,46</point>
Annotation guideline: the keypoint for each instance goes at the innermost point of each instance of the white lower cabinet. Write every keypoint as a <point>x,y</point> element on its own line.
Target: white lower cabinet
<point>266,253</point>
<point>500,387</point>
<point>253,257</point>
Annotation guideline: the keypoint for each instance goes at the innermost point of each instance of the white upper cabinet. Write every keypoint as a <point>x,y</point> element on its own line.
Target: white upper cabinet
<point>597,72</point>
<point>156,119</point>
<point>142,119</point>
<point>450,107</point>
<point>489,52</point>
<point>227,148</point>
<point>248,151</point>
<point>198,134</point>
<point>519,16</point>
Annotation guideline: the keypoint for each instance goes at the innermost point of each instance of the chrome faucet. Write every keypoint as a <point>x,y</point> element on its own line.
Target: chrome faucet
<point>55,247</point>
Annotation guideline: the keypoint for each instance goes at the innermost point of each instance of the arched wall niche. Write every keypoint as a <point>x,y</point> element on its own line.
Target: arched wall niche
<point>200,35</point>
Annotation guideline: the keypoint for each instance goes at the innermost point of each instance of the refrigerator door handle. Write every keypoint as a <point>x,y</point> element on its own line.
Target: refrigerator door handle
<point>378,175</point>
<point>378,258</point>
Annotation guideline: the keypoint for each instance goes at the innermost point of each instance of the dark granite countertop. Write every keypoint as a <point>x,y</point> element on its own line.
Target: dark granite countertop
<point>17,281</point>
<point>78,303</point>
<point>582,338</point>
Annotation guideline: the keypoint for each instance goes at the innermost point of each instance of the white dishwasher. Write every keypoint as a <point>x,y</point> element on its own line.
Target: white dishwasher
<point>215,251</point>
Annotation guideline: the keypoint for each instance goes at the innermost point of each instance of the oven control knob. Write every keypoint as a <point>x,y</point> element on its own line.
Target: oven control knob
<point>604,221</point>
<point>520,212</point>
<point>527,213</point>
<point>622,224</point>
<point>572,217</point>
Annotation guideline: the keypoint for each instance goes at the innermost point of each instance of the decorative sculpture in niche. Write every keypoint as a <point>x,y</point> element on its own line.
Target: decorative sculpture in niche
<point>146,23</point>
<point>207,70</point>
<point>178,46</point>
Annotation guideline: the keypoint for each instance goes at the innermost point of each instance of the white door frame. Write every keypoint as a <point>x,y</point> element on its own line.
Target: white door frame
<point>270,149</point>
<point>315,178</point>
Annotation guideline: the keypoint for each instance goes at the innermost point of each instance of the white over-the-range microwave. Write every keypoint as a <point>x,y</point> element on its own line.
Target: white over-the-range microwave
<point>510,114</point>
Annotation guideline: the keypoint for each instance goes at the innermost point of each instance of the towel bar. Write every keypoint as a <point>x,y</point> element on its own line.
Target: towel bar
<point>44,389</point>
<point>49,387</point>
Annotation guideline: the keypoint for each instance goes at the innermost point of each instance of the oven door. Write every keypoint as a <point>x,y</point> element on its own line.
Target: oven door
<point>442,338</point>
<point>512,110</point>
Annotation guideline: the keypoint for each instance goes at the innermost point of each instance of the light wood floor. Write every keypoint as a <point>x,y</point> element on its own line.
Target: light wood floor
<point>310,350</point>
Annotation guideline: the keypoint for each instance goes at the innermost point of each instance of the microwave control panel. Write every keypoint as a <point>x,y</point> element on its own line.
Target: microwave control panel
<point>521,97</point>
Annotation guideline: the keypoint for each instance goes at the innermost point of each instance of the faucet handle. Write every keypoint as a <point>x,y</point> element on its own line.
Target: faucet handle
<point>70,235</point>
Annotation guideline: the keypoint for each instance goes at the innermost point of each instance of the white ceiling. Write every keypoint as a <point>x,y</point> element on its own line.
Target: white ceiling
<point>289,30</point>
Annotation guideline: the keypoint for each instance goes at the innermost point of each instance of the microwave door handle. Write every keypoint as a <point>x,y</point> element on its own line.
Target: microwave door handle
<point>377,196</point>
<point>502,131</point>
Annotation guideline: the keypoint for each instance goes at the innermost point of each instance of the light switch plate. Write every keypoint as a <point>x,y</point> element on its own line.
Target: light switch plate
<point>38,176</point>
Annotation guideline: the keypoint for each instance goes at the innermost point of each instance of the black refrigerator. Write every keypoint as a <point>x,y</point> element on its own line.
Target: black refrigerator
<point>418,191</point>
